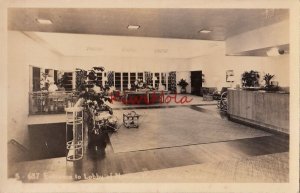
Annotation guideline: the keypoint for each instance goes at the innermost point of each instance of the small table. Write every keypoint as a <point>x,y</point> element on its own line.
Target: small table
<point>131,119</point>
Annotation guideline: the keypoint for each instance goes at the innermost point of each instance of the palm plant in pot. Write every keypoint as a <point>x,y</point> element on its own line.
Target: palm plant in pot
<point>268,86</point>
<point>183,84</point>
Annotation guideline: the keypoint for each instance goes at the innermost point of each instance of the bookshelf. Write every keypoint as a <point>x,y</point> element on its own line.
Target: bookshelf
<point>69,81</point>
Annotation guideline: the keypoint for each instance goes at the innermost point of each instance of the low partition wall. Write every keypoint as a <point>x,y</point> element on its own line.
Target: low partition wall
<point>44,102</point>
<point>265,109</point>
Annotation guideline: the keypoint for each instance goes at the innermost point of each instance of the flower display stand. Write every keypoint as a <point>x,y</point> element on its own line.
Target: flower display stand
<point>74,133</point>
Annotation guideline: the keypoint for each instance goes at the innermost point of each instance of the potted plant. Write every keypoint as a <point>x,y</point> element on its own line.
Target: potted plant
<point>268,85</point>
<point>94,96</point>
<point>250,80</point>
<point>183,84</point>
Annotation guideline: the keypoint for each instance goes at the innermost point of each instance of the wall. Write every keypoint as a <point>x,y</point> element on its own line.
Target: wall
<point>264,37</point>
<point>214,68</point>
<point>125,64</point>
<point>22,52</point>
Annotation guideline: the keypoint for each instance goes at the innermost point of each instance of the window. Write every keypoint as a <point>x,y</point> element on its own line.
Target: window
<point>156,78</point>
<point>118,80</point>
<point>132,78</point>
<point>125,80</point>
<point>68,85</point>
<point>140,75</point>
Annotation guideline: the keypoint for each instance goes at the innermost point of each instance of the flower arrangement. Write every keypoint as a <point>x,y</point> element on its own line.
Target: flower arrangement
<point>95,95</point>
<point>44,82</point>
<point>139,84</point>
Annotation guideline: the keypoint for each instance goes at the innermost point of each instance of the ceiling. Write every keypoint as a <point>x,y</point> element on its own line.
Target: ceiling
<point>157,23</point>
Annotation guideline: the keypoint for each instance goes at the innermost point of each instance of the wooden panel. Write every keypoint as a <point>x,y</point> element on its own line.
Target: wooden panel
<point>249,105</point>
<point>230,102</point>
<point>259,110</point>
<point>264,109</point>
<point>243,104</point>
<point>47,140</point>
<point>234,102</point>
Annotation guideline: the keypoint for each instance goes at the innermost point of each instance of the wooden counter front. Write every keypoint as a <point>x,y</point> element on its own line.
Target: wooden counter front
<point>265,109</point>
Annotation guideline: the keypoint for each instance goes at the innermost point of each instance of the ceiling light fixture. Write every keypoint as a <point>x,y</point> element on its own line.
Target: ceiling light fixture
<point>205,31</point>
<point>133,27</point>
<point>275,52</point>
<point>44,21</point>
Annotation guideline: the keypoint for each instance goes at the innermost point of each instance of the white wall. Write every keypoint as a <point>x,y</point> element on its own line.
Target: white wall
<point>125,64</point>
<point>264,37</point>
<point>22,52</point>
<point>214,67</point>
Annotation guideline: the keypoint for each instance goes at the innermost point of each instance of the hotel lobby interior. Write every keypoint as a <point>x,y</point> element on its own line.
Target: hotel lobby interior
<point>148,95</point>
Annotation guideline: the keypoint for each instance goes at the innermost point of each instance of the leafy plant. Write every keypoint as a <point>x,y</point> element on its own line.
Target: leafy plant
<point>250,79</point>
<point>182,83</point>
<point>62,81</point>
<point>269,87</point>
<point>89,87</point>
<point>267,78</point>
<point>44,82</point>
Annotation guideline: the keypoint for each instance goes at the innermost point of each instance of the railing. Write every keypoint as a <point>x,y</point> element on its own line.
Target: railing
<point>44,102</point>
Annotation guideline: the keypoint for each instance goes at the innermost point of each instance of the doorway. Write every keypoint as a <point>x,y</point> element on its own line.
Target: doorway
<point>196,83</point>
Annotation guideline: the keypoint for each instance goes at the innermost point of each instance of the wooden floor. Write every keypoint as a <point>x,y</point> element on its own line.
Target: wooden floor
<point>98,162</point>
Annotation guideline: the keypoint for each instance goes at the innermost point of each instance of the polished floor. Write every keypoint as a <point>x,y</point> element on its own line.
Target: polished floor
<point>100,161</point>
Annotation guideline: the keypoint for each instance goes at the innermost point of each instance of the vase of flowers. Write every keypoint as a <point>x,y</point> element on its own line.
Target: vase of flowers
<point>139,84</point>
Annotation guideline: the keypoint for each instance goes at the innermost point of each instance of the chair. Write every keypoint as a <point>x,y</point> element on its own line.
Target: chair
<point>217,94</point>
<point>222,102</point>
<point>208,93</point>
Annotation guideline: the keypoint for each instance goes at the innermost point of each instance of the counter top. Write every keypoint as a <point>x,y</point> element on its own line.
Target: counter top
<point>261,91</point>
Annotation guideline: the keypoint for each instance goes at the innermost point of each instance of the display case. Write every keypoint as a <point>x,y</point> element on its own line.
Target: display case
<point>44,102</point>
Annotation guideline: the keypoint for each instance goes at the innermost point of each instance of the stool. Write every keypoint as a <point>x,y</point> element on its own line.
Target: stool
<point>74,125</point>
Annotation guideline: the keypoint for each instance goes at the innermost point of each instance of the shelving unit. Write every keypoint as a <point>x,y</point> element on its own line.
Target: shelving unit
<point>118,80</point>
<point>69,84</point>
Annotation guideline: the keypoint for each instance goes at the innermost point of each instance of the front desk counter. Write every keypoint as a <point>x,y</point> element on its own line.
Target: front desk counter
<point>265,109</point>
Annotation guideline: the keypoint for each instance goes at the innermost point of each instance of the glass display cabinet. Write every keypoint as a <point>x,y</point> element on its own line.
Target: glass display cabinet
<point>44,102</point>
